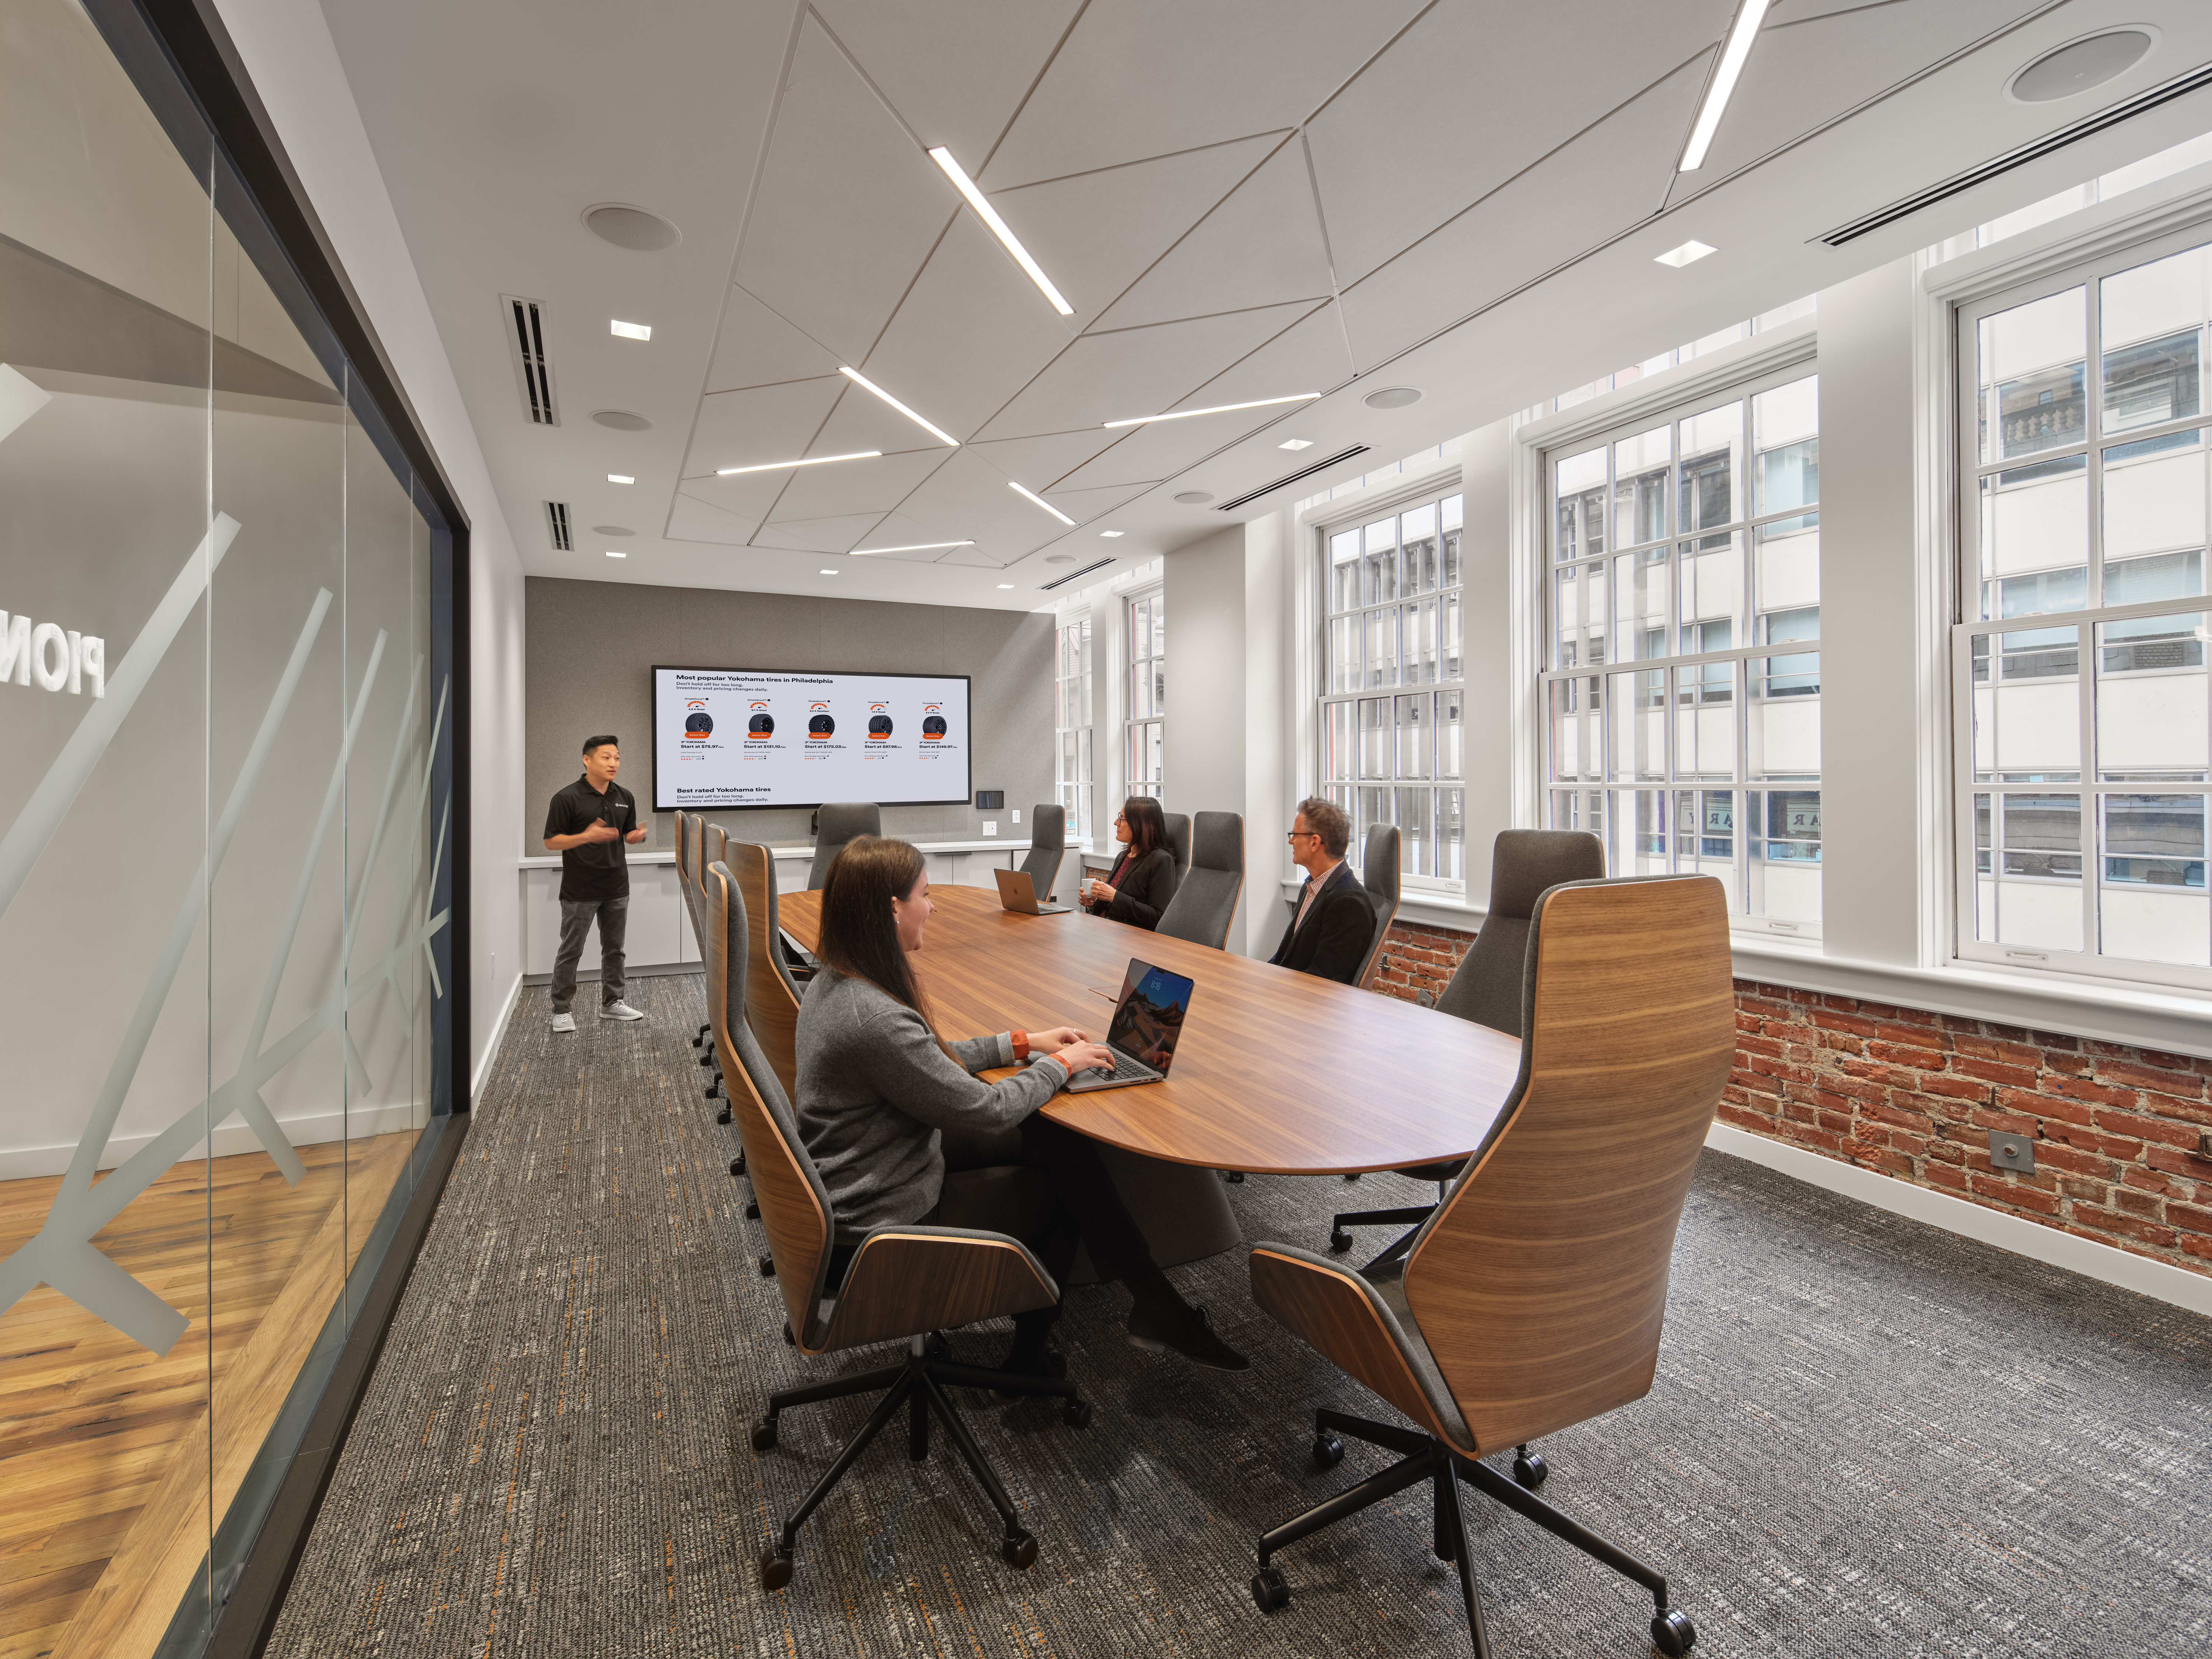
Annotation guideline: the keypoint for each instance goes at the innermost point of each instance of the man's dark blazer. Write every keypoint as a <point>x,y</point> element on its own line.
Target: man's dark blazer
<point>1332,943</point>
<point>1142,892</point>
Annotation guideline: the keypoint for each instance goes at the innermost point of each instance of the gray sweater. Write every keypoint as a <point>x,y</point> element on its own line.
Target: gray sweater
<point>876,1092</point>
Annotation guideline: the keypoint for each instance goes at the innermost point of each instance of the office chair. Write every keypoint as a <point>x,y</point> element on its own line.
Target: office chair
<point>771,998</point>
<point>1047,848</point>
<point>1533,1297</point>
<point>1487,986</point>
<point>1379,876</point>
<point>1178,825</point>
<point>686,868</point>
<point>1205,901</point>
<point>836,823</point>
<point>907,1284</point>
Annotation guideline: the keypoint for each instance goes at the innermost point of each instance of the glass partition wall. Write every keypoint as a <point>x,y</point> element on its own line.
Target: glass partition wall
<point>226,867</point>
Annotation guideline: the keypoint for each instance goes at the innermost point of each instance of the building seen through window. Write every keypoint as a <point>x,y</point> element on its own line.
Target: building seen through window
<point>1148,694</point>
<point>1070,722</point>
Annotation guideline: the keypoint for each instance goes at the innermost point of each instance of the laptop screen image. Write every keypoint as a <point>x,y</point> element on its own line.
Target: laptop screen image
<point>1150,1016</point>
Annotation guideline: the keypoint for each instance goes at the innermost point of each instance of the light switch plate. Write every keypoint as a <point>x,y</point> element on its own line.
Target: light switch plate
<point>1018,815</point>
<point>2008,1151</point>
<point>990,826</point>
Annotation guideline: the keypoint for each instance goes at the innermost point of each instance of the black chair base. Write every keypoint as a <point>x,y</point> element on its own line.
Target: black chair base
<point>919,1384</point>
<point>1340,1238</point>
<point>1426,1458</point>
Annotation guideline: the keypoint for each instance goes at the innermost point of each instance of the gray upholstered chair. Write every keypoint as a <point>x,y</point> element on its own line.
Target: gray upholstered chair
<point>1535,1298</point>
<point>1379,875</point>
<point>1205,903</point>
<point>835,823</point>
<point>687,867</point>
<point>904,1283</point>
<point>1047,848</point>
<point>1487,988</point>
<point>1178,825</point>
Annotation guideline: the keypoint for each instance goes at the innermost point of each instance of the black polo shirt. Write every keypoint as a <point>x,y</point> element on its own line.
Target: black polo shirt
<point>597,870</point>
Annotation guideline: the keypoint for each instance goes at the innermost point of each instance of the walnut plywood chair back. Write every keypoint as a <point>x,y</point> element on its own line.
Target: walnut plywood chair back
<point>794,1205</point>
<point>771,1000</point>
<point>1540,1283</point>
<point>686,872</point>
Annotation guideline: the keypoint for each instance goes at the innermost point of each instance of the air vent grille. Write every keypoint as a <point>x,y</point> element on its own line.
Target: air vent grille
<point>533,368</point>
<point>1231,506</point>
<point>1062,582</point>
<point>2166,92</point>
<point>556,527</point>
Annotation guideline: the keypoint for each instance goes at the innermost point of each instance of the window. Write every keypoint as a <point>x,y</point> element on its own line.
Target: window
<point>1392,679</point>
<point>2079,668</point>
<point>1681,704</point>
<point>1070,722</point>
<point>1148,692</point>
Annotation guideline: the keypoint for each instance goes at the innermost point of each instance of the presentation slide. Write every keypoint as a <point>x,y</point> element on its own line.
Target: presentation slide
<point>735,737</point>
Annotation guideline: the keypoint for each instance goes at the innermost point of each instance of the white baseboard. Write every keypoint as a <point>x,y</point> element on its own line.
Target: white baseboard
<point>491,1044</point>
<point>2032,1239</point>
<point>25,1163</point>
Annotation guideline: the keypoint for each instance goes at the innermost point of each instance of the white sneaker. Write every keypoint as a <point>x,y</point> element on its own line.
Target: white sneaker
<point>619,1010</point>
<point>564,1021</point>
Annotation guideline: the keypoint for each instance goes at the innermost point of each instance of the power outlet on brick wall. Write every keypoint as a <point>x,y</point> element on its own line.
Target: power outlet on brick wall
<point>2008,1151</point>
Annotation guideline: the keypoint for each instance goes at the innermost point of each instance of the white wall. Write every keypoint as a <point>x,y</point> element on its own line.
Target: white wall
<point>287,51</point>
<point>1207,737</point>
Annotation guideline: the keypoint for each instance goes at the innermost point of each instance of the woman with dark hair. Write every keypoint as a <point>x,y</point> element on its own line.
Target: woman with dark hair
<point>886,1107</point>
<point>1144,878</point>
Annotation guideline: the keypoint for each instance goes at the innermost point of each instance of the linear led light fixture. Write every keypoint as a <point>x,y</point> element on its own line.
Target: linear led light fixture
<point>621,477</point>
<point>631,330</point>
<point>1218,409</point>
<point>989,215</point>
<point>811,460</point>
<point>1747,21</point>
<point>1041,502</point>
<point>911,547</point>
<point>867,384</point>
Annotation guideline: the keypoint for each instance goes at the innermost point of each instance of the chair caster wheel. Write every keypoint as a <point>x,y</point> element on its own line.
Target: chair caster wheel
<point>1529,1470</point>
<point>739,1166</point>
<point>1354,1176</point>
<point>723,1116</point>
<point>1673,1633</point>
<point>1327,1450</point>
<point>1338,1240</point>
<point>1235,1177</point>
<point>752,1209</point>
<point>706,1060</point>
<point>768,1267</point>
<point>1020,1550</point>
<point>789,1341</point>
<point>764,1440</point>
<point>736,1173</point>
<point>775,1567</point>
<point>1076,1413</point>
<point>1271,1591</point>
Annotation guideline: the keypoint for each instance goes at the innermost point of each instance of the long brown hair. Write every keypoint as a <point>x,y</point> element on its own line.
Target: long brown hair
<point>1148,830</point>
<point>860,935</point>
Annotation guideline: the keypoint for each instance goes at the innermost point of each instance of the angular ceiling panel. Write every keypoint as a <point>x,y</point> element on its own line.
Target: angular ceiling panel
<point>1132,371</point>
<point>839,534</point>
<point>968,500</point>
<point>1309,355</point>
<point>876,486</point>
<point>1145,77</point>
<point>864,421</point>
<point>760,424</point>
<point>1608,180</point>
<point>756,347</point>
<point>691,519</point>
<point>1049,457</point>
<point>1149,453</point>
<point>837,272</point>
<point>1087,507</point>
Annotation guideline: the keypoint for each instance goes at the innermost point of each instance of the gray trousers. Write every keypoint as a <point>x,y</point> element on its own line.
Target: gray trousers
<point>576,921</point>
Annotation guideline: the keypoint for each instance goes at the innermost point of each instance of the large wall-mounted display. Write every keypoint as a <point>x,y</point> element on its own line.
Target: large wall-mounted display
<point>734,737</point>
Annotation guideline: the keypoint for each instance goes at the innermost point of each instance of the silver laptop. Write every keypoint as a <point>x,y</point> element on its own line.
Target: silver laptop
<point>1146,1022</point>
<point>1017,893</point>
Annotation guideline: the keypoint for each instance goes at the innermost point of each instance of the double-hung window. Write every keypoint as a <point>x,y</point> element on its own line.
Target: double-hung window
<point>1072,723</point>
<point>1681,695</point>
<point>1148,694</point>
<point>1392,679</point>
<point>2079,686</point>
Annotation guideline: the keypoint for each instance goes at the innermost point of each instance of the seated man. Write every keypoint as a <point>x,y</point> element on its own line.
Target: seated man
<point>1334,925</point>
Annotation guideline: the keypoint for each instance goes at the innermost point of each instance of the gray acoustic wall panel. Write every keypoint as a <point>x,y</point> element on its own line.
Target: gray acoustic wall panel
<point>591,648</point>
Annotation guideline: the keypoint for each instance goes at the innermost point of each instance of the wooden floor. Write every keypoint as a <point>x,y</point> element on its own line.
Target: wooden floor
<point>112,1469</point>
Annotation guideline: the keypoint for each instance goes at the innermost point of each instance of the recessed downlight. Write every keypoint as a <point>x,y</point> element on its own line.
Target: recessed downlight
<point>1296,443</point>
<point>1688,254</point>
<point>620,478</point>
<point>2079,65</point>
<point>810,461</point>
<point>1110,534</point>
<point>827,571</point>
<point>1195,497</point>
<point>616,553</point>
<point>1003,586</point>
<point>632,228</point>
<point>622,420</point>
<point>1394,396</point>
<point>623,331</point>
<point>1031,495</point>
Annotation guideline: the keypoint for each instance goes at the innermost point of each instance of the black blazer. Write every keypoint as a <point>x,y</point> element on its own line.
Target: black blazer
<point>1142,892</point>
<point>1339,929</point>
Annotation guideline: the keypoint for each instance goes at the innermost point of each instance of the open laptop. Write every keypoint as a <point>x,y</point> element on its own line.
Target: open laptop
<point>1016,892</point>
<point>1146,1022</point>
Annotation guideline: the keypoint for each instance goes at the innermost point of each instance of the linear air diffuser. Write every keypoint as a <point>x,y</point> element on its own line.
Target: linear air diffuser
<point>1062,582</point>
<point>525,349</point>
<point>1231,505</point>
<point>556,527</point>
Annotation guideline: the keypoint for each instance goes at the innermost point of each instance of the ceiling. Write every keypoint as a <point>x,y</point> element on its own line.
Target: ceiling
<point>1240,199</point>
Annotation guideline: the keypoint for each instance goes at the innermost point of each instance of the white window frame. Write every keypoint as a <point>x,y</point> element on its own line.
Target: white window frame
<point>1073,697</point>
<point>1131,784</point>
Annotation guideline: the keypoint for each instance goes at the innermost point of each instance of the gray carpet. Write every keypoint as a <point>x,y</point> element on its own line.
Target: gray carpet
<point>1866,1438</point>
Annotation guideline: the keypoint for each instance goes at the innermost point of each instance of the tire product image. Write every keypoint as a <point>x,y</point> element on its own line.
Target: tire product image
<point>820,726</point>
<point>934,727</point>
<point>762,726</point>
<point>880,726</point>
<point>699,720</point>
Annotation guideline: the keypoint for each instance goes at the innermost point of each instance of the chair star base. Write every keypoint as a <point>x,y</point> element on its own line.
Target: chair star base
<point>920,1385</point>
<point>1426,1458</point>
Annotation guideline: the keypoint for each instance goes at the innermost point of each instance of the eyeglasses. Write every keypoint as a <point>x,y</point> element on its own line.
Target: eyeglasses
<point>1295,833</point>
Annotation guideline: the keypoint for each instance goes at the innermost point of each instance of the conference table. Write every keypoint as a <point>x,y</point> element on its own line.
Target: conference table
<point>1275,1073</point>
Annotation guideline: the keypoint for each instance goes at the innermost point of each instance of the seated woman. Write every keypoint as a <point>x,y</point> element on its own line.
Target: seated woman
<point>1144,878</point>
<point>882,1100</point>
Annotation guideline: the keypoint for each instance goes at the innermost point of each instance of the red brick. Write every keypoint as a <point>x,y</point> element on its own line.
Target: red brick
<point>2178,1163</point>
<point>2196,1245</point>
<point>1889,1112</point>
<point>2005,1123</point>
<point>2190,1217</point>
<point>2014,1194</point>
<point>1893,1164</point>
<point>2144,1127</point>
<point>2074,1162</point>
<point>2127,1226</point>
<point>2031,1105</point>
<point>2189,1112</point>
<point>2183,1083</point>
<point>1830,1020</point>
<point>2091,1192</point>
<point>2072,1065</point>
<point>1956,1088</point>
<point>2125,1148</point>
<point>1943,1175</point>
<point>2136,1203</point>
<point>2019,1077</point>
<point>2011,1053</point>
<point>1901,1053</point>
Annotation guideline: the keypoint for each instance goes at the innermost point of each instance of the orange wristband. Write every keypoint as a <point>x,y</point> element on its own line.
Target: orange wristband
<point>1021,1044</point>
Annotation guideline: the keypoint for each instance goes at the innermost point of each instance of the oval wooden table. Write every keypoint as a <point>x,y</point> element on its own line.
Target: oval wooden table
<point>1276,1073</point>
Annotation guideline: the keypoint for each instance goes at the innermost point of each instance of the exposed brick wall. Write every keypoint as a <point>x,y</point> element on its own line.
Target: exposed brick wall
<point>1914,1095</point>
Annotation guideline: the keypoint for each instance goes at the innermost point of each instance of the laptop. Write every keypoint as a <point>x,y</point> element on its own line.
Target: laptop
<point>1146,1022</point>
<point>1016,893</point>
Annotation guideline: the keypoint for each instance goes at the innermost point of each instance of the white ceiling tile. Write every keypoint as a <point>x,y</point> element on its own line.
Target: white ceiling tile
<point>876,486</point>
<point>864,421</point>
<point>1050,457</point>
<point>1149,453</point>
<point>1606,180</point>
<point>1309,355</point>
<point>1143,78</point>
<point>1087,507</point>
<point>955,73</point>
<point>1261,247</point>
<point>968,499</point>
<point>1137,370</point>
<point>837,534</point>
<point>756,347</point>
<point>760,424</point>
<point>691,519</point>
<point>837,273</point>
<point>974,558</point>
<point>1471,96</point>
